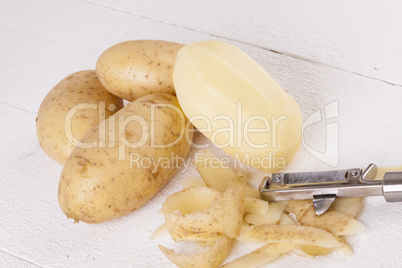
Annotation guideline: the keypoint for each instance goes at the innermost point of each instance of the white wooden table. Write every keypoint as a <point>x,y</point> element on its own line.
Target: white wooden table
<point>343,52</point>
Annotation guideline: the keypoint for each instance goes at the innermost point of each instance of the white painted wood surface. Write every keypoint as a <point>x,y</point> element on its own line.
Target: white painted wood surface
<point>345,51</point>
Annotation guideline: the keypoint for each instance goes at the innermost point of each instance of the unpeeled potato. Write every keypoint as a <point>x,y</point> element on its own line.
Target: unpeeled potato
<point>71,109</point>
<point>133,69</point>
<point>104,182</point>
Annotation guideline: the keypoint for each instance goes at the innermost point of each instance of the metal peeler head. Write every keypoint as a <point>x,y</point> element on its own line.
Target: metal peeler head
<point>324,186</point>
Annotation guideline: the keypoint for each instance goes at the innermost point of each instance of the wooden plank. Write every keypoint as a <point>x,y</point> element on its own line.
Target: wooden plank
<point>356,36</point>
<point>8,260</point>
<point>42,42</point>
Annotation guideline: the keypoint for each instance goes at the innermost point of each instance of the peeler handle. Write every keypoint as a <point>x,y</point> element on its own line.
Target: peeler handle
<point>392,186</point>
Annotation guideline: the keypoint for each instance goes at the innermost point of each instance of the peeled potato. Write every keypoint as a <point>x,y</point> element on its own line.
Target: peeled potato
<point>136,68</point>
<point>209,259</point>
<point>294,234</point>
<point>70,110</point>
<point>201,213</point>
<point>250,116</point>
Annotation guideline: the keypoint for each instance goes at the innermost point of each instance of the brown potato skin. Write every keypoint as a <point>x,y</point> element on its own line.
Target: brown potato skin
<point>78,88</point>
<point>95,186</point>
<point>136,68</point>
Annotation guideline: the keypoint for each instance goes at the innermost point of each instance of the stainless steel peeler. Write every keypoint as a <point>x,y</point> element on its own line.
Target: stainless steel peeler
<point>324,186</point>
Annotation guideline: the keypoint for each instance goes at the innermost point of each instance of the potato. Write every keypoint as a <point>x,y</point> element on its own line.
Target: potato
<point>332,221</point>
<point>246,112</point>
<point>201,214</point>
<point>294,234</point>
<point>221,177</point>
<point>315,251</point>
<point>209,259</point>
<point>133,69</point>
<point>272,216</point>
<point>71,109</point>
<point>345,249</point>
<point>286,220</point>
<point>214,174</point>
<point>255,206</point>
<point>160,232</point>
<point>298,207</point>
<point>145,144</point>
<point>191,182</point>
<point>350,206</point>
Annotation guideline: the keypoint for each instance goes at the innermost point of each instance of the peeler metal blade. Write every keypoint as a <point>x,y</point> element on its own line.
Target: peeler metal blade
<point>324,186</point>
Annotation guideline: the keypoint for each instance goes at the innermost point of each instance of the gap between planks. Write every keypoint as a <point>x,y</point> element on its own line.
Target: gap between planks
<point>19,259</point>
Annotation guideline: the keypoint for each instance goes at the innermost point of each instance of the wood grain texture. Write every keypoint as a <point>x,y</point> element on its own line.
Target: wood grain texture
<point>327,53</point>
<point>347,35</point>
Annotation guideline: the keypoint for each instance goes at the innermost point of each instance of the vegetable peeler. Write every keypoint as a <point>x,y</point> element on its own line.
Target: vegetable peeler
<point>324,186</point>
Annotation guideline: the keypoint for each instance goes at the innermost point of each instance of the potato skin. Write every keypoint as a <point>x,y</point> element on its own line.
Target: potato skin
<point>136,68</point>
<point>78,88</point>
<point>95,186</point>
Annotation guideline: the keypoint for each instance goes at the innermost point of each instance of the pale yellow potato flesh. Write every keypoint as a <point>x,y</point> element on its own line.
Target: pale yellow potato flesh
<point>222,177</point>
<point>304,250</point>
<point>160,232</point>
<point>333,222</point>
<point>70,110</point>
<point>315,250</point>
<point>382,170</point>
<point>191,182</point>
<point>298,207</point>
<point>251,191</point>
<point>260,256</point>
<point>286,220</point>
<point>292,234</point>
<point>136,68</point>
<point>243,177</point>
<point>201,213</point>
<point>190,200</point>
<point>345,249</point>
<point>251,117</point>
<point>255,206</point>
<point>350,206</point>
<point>209,259</point>
<point>101,183</point>
<point>272,216</point>
<point>214,174</point>
<point>263,222</point>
